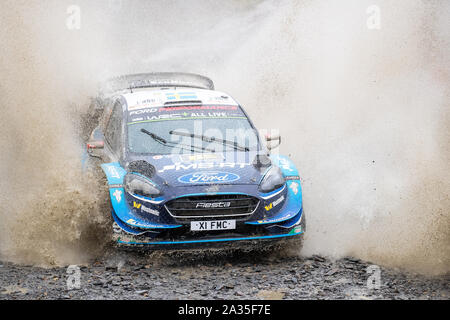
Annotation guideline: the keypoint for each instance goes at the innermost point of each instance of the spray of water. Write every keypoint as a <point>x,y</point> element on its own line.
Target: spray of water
<point>363,112</point>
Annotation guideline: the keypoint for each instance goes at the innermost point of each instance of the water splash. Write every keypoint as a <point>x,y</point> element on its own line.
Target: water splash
<point>364,113</point>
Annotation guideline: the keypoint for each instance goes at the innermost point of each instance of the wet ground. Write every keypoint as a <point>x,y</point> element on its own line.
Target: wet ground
<point>233,275</point>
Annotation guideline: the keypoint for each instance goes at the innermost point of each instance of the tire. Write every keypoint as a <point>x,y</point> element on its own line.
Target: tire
<point>294,246</point>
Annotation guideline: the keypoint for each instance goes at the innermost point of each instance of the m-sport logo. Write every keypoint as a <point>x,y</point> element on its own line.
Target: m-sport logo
<point>209,177</point>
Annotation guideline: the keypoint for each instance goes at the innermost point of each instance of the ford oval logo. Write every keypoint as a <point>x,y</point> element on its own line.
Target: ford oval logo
<point>209,177</point>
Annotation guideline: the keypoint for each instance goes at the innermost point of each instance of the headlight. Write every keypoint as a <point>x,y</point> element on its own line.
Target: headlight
<point>272,180</point>
<point>138,185</point>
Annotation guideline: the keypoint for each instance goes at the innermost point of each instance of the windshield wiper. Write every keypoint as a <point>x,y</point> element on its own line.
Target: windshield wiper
<point>171,144</point>
<point>154,136</point>
<point>233,144</point>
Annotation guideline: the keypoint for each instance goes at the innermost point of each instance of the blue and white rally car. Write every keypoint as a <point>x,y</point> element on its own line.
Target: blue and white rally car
<point>186,168</point>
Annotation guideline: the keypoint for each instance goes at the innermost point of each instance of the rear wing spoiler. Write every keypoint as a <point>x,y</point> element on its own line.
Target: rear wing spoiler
<point>160,79</point>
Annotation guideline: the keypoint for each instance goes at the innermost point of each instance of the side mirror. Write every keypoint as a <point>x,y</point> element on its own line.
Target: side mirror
<point>95,148</point>
<point>269,139</point>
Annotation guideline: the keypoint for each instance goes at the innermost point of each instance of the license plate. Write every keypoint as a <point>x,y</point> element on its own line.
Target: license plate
<point>213,225</point>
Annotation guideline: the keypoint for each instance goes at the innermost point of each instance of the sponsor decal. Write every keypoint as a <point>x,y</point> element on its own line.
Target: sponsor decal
<point>186,113</point>
<point>141,112</point>
<point>149,101</point>
<point>294,187</point>
<point>181,96</point>
<point>285,164</point>
<point>134,223</point>
<point>131,221</point>
<point>189,108</point>
<point>149,210</point>
<point>209,177</point>
<point>145,209</point>
<point>279,219</point>
<point>136,205</point>
<point>118,195</point>
<point>277,202</point>
<point>212,189</point>
<point>160,117</point>
<point>157,157</point>
<point>274,204</point>
<point>219,99</point>
<point>289,178</point>
<point>213,205</point>
<point>202,165</point>
<point>113,172</point>
<point>145,106</point>
<point>207,115</point>
<point>200,157</point>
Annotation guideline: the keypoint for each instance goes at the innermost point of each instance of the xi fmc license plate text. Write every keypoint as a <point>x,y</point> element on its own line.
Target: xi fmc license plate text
<point>213,225</point>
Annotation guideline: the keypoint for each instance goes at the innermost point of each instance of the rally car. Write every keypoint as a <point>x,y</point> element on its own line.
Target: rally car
<point>186,168</point>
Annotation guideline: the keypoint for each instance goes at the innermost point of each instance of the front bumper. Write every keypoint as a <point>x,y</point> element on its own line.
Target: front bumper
<point>131,230</point>
<point>183,238</point>
<point>222,243</point>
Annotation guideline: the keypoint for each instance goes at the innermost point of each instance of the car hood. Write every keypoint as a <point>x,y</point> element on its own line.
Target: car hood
<point>206,170</point>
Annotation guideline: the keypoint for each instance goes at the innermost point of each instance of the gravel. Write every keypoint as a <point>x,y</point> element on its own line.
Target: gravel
<point>232,276</point>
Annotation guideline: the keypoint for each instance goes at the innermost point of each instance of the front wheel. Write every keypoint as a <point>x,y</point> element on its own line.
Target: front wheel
<point>294,246</point>
<point>288,247</point>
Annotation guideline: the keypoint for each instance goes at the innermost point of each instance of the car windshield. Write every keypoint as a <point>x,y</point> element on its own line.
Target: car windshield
<point>180,130</point>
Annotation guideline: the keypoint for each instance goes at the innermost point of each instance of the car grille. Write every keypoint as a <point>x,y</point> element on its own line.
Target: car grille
<point>227,206</point>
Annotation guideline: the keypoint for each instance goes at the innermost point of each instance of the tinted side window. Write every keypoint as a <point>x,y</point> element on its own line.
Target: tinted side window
<point>114,128</point>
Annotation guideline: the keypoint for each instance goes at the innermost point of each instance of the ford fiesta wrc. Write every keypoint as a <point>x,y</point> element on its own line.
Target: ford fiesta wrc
<point>186,168</point>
